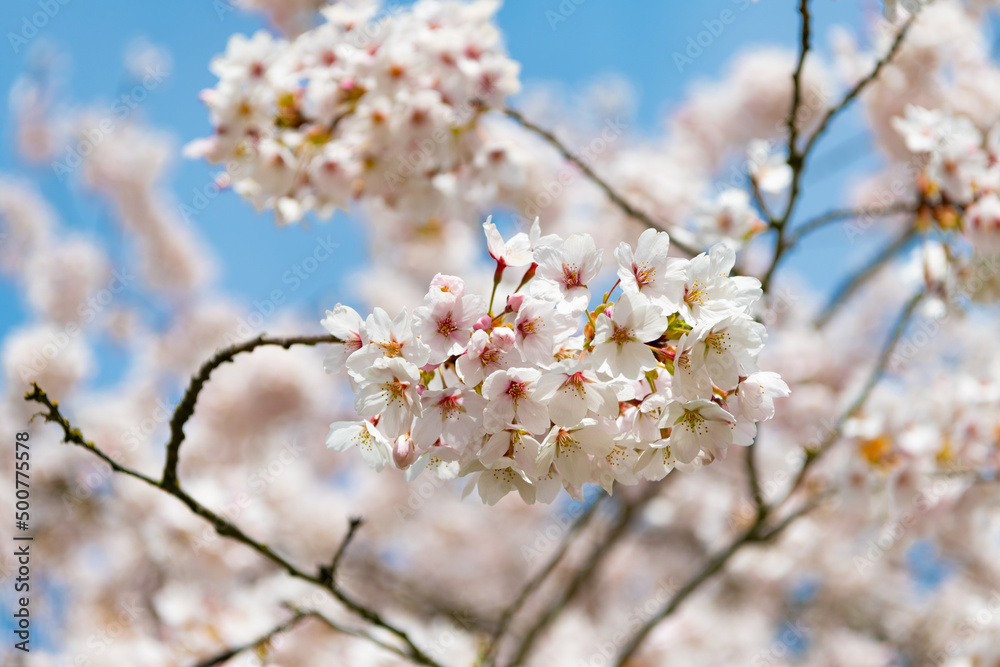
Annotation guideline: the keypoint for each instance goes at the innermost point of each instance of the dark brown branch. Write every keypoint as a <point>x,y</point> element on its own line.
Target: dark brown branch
<point>797,158</point>
<point>228,529</point>
<point>328,573</point>
<point>611,193</point>
<point>535,582</point>
<point>860,86</point>
<point>185,409</point>
<point>804,46</point>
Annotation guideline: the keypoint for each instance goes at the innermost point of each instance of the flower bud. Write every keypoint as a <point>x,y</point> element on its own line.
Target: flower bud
<point>484,323</point>
<point>503,338</point>
<point>404,453</point>
<point>514,302</point>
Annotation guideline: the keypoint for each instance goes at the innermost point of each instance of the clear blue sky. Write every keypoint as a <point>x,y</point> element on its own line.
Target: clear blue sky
<point>636,39</point>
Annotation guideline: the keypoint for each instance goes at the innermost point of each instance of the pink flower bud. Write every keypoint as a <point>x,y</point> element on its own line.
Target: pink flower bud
<point>485,323</point>
<point>404,453</point>
<point>502,338</point>
<point>514,302</point>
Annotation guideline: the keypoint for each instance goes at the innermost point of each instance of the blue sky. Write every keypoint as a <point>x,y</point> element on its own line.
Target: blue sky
<point>569,41</point>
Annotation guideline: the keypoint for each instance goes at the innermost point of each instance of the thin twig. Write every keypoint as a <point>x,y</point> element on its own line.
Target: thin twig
<point>804,39</point>
<point>185,409</point>
<point>327,573</point>
<point>797,158</point>
<point>333,625</point>
<point>846,290</point>
<point>611,193</point>
<point>228,654</point>
<point>846,214</point>
<point>860,86</point>
<point>535,582</point>
<point>858,403</point>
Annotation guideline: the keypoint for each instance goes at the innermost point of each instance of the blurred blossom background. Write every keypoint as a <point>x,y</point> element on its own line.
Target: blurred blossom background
<point>127,260</point>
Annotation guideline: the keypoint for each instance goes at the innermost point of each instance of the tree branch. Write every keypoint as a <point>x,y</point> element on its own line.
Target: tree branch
<point>185,409</point>
<point>837,215</point>
<point>755,533</point>
<point>860,86</point>
<point>225,528</point>
<point>873,379</point>
<point>263,639</point>
<point>611,193</point>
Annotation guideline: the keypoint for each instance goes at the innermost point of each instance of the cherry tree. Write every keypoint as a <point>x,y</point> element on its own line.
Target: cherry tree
<point>587,415</point>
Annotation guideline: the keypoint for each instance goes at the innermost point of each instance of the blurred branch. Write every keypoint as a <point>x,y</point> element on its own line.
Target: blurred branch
<point>333,625</point>
<point>756,532</point>
<point>263,639</point>
<point>611,193</point>
<point>846,214</point>
<point>758,496</point>
<point>325,578</point>
<point>185,409</point>
<point>854,283</point>
<point>535,582</point>
<point>873,379</point>
<point>583,574</point>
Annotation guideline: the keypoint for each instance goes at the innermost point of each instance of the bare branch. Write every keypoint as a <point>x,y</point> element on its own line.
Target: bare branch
<point>873,379</point>
<point>792,121</point>
<point>611,193</point>
<point>846,214</point>
<point>333,625</point>
<point>228,529</point>
<point>860,86</point>
<point>263,639</point>
<point>185,409</point>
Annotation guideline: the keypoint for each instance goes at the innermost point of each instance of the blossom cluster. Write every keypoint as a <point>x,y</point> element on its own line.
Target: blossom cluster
<point>364,106</point>
<point>525,398</point>
<point>959,183</point>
